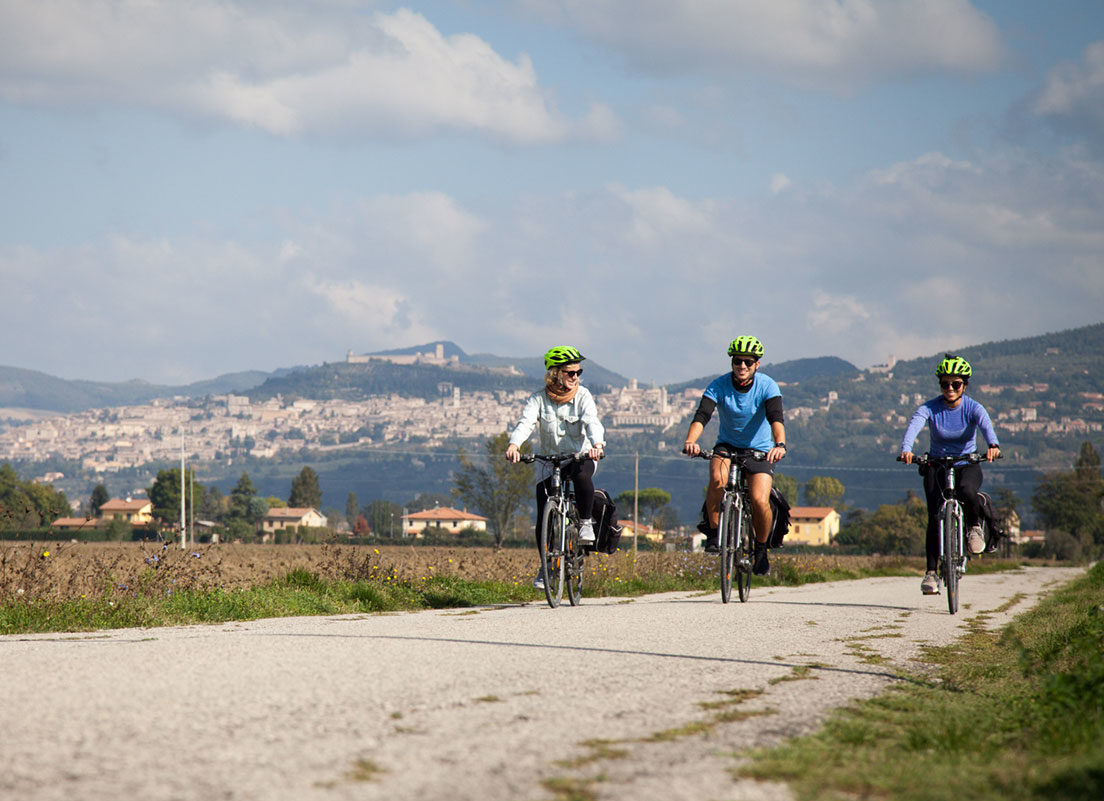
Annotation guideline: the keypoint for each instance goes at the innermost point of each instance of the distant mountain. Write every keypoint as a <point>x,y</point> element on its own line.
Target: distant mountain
<point>482,372</point>
<point>30,389</point>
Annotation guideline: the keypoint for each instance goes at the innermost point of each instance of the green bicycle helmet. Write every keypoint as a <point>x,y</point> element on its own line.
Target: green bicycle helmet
<point>953,365</point>
<point>746,346</point>
<point>558,357</point>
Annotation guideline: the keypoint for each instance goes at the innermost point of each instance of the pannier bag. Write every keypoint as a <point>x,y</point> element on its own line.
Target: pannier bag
<point>994,532</point>
<point>607,534</point>
<point>780,508</point>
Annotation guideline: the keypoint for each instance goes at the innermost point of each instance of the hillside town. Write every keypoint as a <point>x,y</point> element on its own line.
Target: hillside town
<point>221,427</point>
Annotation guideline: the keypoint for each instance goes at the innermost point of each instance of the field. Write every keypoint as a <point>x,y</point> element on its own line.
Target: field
<point>70,571</point>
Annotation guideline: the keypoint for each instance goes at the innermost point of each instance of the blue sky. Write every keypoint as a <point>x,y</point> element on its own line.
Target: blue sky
<point>194,188</point>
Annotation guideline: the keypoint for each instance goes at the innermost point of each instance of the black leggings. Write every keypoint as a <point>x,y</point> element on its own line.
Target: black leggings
<point>582,475</point>
<point>967,483</point>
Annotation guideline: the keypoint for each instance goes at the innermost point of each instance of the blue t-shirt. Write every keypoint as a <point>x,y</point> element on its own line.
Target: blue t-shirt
<point>743,415</point>
<point>953,432</point>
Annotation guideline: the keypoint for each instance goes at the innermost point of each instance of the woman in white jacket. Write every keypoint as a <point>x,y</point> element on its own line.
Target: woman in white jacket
<point>566,421</point>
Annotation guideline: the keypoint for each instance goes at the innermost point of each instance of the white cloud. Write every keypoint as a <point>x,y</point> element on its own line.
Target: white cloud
<point>1073,97</point>
<point>917,257</point>
<point>836,43</point>
<point>287,69</point>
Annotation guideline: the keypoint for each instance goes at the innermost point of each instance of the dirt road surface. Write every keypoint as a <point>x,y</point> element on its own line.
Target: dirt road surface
<point>619,699</point>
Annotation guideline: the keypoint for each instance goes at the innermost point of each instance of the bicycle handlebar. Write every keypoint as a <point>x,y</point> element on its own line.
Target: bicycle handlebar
<point>558,460</point>
<point>751,453</point>
<point>926,459</point>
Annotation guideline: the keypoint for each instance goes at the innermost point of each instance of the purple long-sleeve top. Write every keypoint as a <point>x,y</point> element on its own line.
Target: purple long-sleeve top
<point>953,432</point>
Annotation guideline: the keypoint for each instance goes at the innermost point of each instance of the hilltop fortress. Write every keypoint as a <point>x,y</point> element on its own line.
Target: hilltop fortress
<point>437,357</point>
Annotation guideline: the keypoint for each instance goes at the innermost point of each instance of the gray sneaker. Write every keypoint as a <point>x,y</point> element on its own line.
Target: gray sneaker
<point>930,584</point>
<point>586,531</point>
<point>538,582</point>
<point>975,540</point>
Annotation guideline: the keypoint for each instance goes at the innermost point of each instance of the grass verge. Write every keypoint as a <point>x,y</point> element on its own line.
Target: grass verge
<point>52,589</point>
<point>1016,715</point>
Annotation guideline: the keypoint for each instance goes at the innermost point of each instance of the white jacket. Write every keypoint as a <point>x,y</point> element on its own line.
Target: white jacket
<point>571,427</point>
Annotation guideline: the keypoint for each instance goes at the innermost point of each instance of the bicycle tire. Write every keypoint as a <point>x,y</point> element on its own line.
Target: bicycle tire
<point>551,552</point>
<point>573,565</point>
<point>952,523</point>
<point>728,531</point>
<point>746,544</point>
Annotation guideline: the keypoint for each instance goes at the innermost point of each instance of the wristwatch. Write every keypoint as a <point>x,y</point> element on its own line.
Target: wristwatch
<point>781,445</point>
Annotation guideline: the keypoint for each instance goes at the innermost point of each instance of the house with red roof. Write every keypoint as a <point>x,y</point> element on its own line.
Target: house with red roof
<point>452,521</point>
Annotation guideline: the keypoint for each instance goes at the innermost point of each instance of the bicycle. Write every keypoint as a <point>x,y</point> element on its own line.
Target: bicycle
<point>735,534</point>
<point>561,554</point>
<point>952,524</point>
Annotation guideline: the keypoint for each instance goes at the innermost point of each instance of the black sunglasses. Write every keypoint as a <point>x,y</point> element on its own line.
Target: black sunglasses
<point>951,384</point>
<point>746,362</point>
<point>572,373</point>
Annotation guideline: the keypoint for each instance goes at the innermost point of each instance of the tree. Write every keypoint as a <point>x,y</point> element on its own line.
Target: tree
<point>898,528</point>
<point>306,493</point>
<point>27,504</point>
<point>240,496</point>
<point>211,505</point>
<point>165,494</point>
<point>650,499</point>
<point>823,491</point>
<point>352,509</point>
<point>787,485</point>
<point>384,518</point>
<point>497,491</point>
<point>1071,501</point>
<point>667,518</point>
<point>100,496</point>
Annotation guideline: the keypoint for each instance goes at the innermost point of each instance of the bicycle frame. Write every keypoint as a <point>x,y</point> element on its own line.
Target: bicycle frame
<point>734,526</point>
<point>952,524</point>
<point>558,544</point>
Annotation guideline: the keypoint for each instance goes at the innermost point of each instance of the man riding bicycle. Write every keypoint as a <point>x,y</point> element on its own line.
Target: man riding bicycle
<point>953,420</point>
<point>566,419</point>
<point>749,405</point>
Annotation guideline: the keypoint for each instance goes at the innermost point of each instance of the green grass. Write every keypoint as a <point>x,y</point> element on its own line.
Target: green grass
<point>168,594</point>
<point>1016,715</point>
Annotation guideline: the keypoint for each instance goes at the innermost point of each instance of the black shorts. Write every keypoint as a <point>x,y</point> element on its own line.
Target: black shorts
<point>749,465</point>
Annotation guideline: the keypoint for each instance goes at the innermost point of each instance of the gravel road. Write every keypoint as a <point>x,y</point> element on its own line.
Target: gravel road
<point>511,703</point>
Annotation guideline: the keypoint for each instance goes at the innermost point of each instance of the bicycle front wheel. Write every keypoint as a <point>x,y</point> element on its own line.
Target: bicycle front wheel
<point>551,547</point>
<point>952,539</point>
<point>745,536</point>
<point>728,531</point>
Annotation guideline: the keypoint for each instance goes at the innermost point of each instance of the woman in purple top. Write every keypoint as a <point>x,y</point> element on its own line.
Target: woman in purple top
<point>953,420</point>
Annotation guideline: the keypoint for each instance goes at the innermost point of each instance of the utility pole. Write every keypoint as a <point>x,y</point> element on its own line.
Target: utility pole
<point>183,495</point>
<point>636,502</point>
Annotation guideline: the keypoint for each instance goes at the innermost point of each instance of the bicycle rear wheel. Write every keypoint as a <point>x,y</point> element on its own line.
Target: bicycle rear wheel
<point>573,566</point>
<point>745,536</point>
<point>551,552</point>
<point>728,524</point>
<point>952,537</point>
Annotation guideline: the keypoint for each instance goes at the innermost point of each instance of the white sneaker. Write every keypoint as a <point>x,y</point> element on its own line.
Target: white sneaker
<point>930,584</point>
<point>975,539</point>
<point>586,531</point>
<point>538,582</point>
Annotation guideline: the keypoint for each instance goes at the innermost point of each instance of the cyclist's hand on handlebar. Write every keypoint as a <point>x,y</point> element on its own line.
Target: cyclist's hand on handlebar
<point>513,454</point>
<point>992,453</point>
<point>906,457</point>
<point>691,448</point>
<point>775,454</point>
<point>597,452</point>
